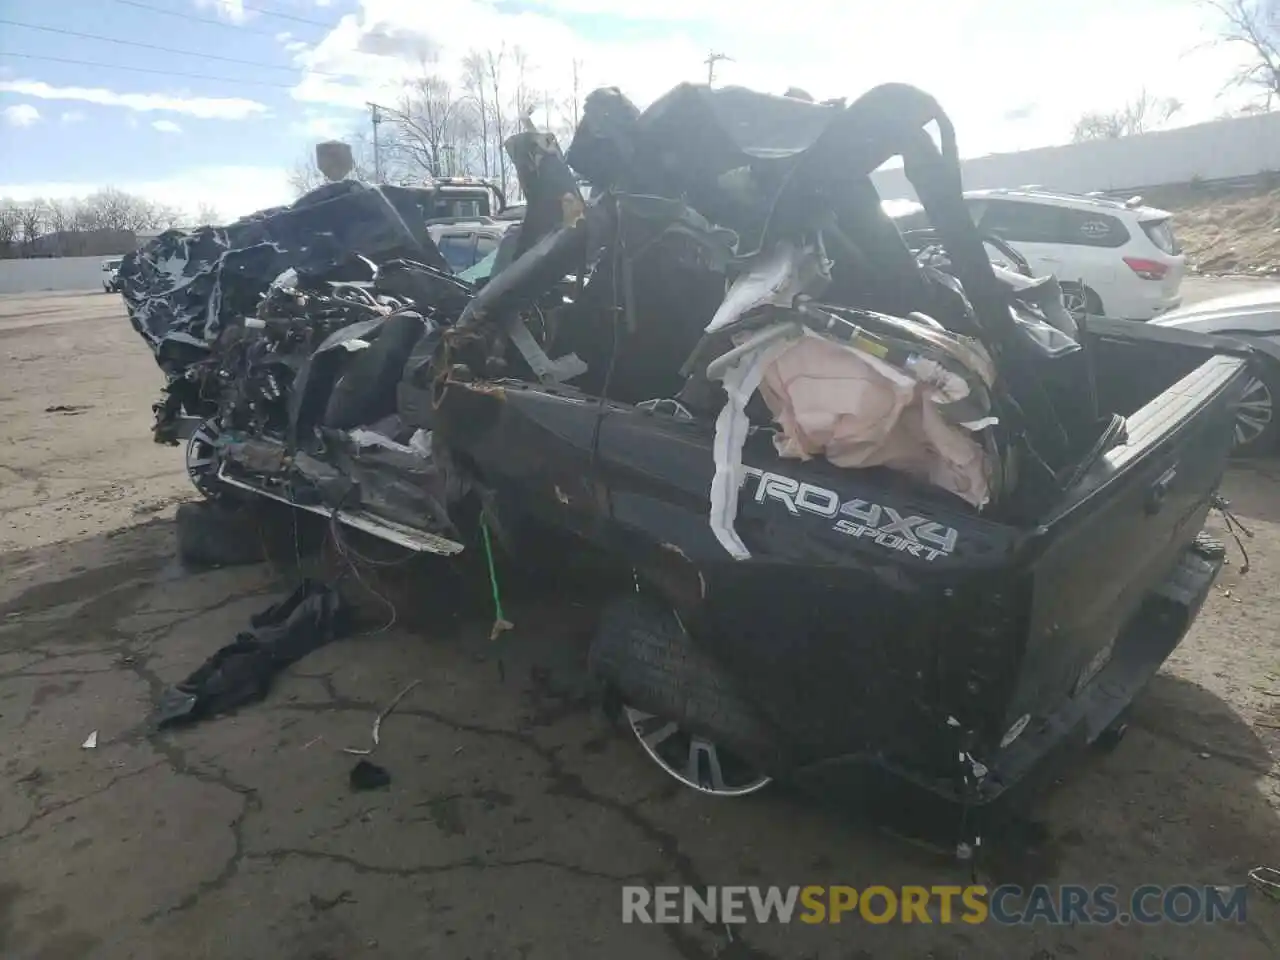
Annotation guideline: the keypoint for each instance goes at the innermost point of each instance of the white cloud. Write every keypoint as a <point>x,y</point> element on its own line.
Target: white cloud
<point>215,108</point>
<point>21,115</point>
<point>370,57</point>
<point>986,62</point>
<point>72,116</point>
<point>165,126</point>
<point>324,127</point>
<point>232,10</point>
<point>284,35</point>
<point>296,46</point>
<point>234,190</point>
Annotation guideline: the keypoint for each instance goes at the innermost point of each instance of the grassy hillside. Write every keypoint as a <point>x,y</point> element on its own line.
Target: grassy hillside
<point>1226,228</point>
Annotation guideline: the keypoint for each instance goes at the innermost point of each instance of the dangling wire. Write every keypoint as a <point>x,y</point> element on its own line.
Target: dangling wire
<point>1233,524</point>
<point>353,558</point>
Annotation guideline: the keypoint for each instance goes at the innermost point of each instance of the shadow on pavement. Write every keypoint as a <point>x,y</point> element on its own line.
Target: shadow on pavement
<point>515,813</point>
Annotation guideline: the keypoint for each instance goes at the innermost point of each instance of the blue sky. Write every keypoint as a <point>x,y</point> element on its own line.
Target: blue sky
<point>78,141</point>
<point>1012,74</point>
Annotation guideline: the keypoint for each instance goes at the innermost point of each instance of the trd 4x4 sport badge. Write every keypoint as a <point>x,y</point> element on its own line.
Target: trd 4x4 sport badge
<point>917,536</point>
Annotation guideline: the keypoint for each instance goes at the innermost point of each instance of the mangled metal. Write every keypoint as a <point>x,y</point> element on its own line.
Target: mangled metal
<point>879,490</point>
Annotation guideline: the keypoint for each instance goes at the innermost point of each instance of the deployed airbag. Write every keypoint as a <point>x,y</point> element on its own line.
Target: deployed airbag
<point>835,401</point>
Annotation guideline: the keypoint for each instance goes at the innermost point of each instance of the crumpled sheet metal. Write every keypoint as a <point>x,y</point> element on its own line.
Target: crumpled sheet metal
<point>776,278</point>
<point>187,287</point>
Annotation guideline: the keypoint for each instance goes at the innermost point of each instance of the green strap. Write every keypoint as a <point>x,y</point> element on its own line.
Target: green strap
<point>500,622</point>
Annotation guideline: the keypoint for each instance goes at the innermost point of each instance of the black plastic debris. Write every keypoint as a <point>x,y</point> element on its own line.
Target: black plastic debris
<point>184,288</point>
<point>241,672</point>
<point>369,776</point>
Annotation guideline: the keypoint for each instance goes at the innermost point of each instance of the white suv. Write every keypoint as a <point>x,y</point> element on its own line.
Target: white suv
<point>1118,259</point>
<point>1114,258</point>
<point>111,275</point>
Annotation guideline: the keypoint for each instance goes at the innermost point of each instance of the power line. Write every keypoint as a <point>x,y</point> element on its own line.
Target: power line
<point>286,16</point>
<point>213,21</point>
<point>163,73</point>
<point>161,49</point>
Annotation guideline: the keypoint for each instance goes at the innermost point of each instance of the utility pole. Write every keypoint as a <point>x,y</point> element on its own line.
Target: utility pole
<point>712,59</point>
<point>375,118</point>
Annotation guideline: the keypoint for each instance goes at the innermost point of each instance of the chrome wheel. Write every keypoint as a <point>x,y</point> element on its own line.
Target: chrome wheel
<point>693,760</point>
<point>202,458</point>
<point>1253,413</point>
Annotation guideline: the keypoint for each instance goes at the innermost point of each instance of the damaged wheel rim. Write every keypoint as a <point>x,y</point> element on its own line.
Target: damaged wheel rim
<point>202,458</point>
<point>693,760</point>
<point>1075,302</point>
<point>1253,413</point>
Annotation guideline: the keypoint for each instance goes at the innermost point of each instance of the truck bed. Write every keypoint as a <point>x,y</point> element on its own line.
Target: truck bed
<point>903,628</point>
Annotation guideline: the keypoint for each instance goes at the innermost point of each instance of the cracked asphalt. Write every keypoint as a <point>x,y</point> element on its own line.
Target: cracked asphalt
<point>515,812</point>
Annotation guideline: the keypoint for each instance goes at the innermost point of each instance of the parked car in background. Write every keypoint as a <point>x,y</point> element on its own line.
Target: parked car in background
<point>1253,317</point>
<point>1113,258</point>
<point>464,243</point>
<point>503,254</point>
<point>111,275</point>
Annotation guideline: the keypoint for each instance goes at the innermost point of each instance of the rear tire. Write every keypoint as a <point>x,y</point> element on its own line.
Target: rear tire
<point>645,659</point>
<point>1256,428</point>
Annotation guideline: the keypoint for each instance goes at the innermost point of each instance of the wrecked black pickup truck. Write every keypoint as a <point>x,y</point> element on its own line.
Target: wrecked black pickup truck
<point>885,511</point>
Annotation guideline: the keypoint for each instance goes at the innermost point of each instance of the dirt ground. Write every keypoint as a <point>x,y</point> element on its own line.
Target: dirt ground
<point>1228,227</point>
<point>515,814</point>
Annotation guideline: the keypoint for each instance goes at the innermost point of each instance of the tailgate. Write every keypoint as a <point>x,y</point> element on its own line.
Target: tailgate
<point>1122,529</point>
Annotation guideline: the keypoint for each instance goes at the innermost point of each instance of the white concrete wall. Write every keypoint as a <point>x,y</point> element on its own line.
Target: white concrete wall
<point>1219,150</point>
<point>51,273</point>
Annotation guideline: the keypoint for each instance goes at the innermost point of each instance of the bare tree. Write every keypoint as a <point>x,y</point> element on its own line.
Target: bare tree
<point>159,216</point>
<point>305,176</point>
<point>113,209</point>
<point>61,220</point>
<point>575,95</point>
<point>494,61</point>
<point>108,209</point>
<point>475,81</point>
<point>428,124</point>
<point>62,215</point>
<point>442,128</point>
<point>1255,26</point>
<point>10,222</point>
<point>31,221</point>
<point>1142,114</point>
<point>525,96</point>
<point>102,223</point>
<point>469,151</point>
<point>206,214</point>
